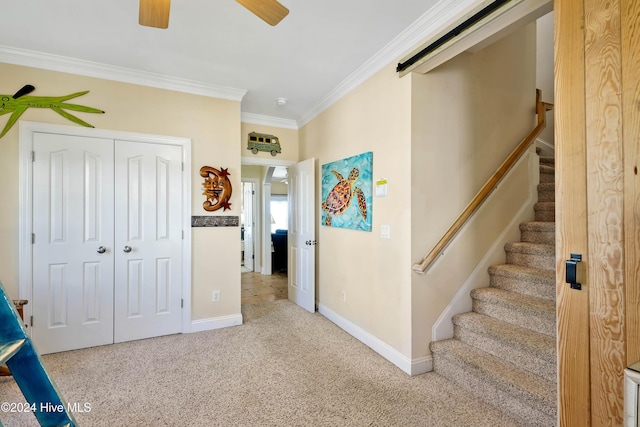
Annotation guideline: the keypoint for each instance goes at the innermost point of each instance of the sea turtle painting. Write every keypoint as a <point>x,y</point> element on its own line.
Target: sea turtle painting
<point>340,197</point>
<point>346,203</point>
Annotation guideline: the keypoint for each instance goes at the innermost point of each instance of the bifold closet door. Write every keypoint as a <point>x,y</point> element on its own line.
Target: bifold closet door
<point>73,224</point>
<point>148,221</point>
<point>107,251</point>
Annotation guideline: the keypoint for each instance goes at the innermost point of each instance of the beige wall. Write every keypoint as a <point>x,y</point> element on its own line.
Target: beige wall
<point>544,70</point>
<point>436,138</point>
<point>373,273</point>
<point>214,128</point>
<point>253,172</point>
<point>279,188</point>
<point>468,114</point>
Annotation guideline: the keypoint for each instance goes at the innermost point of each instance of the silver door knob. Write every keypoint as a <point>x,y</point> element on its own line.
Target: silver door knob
<point>127,249</point>
<point>102,250</point>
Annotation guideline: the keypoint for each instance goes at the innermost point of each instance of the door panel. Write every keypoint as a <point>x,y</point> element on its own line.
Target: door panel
<point>596,61</point>
<point>73,217</point>
<point>148,245</point>
<point>574,407</point>
<point>302,234</point>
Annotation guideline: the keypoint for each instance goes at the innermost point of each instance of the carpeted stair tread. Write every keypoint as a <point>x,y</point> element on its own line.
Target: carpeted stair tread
<point>529,254</point>
<point>529,312</point>
<point>526,280</point>
<point>530,350</point>
<point>482,374</point>
<point>538,232</point>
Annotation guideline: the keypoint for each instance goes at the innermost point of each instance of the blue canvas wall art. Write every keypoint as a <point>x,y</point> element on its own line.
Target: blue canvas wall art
<point>347,186</point>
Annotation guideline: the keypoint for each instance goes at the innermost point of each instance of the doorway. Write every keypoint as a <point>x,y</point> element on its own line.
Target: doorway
<point>248,224</point>
<point>268,279</point>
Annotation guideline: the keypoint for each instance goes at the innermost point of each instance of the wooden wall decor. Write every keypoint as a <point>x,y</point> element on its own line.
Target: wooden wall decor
<point>263,142</point>
<point>18,103</point>
<point>217,188</point>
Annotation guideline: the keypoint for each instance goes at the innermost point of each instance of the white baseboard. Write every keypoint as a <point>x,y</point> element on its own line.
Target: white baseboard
<point>409,366</point>
<point>216,323</point>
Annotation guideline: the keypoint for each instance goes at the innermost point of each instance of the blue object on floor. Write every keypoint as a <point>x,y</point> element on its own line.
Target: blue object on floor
<point>17,351</point>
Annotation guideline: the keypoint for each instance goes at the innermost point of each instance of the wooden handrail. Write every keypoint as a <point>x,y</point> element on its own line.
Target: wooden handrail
<point>541,108</point>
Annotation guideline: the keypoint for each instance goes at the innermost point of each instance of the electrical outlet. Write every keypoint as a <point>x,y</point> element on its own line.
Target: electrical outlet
<point>215,296</point>
<point>344,296</point>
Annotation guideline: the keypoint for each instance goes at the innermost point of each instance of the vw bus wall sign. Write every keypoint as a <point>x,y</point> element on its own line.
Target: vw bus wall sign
<point>263,142</point>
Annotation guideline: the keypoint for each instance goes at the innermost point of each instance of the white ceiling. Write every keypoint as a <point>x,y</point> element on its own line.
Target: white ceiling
<point>313,51</point>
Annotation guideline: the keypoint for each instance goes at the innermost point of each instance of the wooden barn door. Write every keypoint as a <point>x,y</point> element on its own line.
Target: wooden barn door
<point>597,55</point>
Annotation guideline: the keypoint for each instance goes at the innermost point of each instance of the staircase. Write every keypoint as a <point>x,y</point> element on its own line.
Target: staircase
<point>504,351</point>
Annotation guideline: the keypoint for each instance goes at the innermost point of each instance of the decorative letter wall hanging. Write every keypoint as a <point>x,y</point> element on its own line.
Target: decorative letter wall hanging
<point>217,188</point>
<point>19,103</point>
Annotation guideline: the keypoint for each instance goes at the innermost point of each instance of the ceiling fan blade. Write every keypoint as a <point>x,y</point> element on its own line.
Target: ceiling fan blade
<point>270,11</point>
<point>154,13</point>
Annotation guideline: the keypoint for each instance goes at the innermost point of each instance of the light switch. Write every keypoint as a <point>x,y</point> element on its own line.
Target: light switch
<point>385,231</point>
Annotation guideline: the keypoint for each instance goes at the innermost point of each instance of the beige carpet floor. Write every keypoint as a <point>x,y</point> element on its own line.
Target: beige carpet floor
<point>282,367</point>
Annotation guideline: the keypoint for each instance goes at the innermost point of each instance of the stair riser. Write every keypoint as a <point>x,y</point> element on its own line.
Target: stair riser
<point>501,349</point>
<point>546,195</point>
<point>480,387</point>
<point>544,237</point>
<point>545,215</point>
<point>546,177</point>
<point>543,323</point>
<point>543,261</point>
<point>532,288</point>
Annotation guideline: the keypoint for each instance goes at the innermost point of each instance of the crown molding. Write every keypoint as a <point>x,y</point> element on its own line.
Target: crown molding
<point>259,119</point>
<point>65,64</point>
<point>433,21</point>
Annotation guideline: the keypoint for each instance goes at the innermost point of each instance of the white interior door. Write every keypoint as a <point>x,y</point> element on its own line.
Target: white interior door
<point>148,206</point>
<point>302,234</point>
<point>72,299</point>
<point>248,194</point>
<point>107,251</point>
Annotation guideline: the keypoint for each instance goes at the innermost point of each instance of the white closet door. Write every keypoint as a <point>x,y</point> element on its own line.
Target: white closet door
<point>148,218</point>
<point>73,249</point>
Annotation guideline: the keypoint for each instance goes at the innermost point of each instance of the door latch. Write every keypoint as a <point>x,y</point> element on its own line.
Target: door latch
<point>572,271</point>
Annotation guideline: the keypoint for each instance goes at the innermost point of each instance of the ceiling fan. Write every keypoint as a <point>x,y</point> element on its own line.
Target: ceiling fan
<point>155,13</point>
